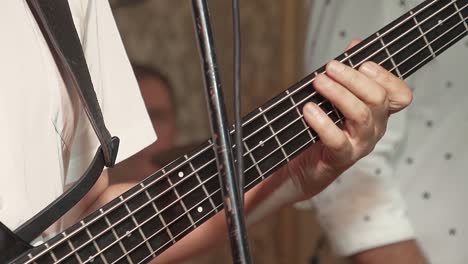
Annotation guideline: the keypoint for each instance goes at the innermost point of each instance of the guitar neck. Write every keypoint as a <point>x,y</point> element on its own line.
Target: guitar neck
<point>161,210</point>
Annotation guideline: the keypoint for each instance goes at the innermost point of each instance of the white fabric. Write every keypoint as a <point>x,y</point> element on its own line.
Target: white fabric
<point>46,140</point>
<point>424,153</point>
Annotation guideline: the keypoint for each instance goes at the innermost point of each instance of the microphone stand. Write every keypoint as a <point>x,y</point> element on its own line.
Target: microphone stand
<point>220,135</point>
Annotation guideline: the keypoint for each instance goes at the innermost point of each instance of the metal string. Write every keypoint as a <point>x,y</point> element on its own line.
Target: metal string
<point>349,56</point>
<point>313,139</point>
<point>282,145</point>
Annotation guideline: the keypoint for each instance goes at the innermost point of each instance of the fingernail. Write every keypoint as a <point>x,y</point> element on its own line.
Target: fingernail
<point>369,69</point>
<point>336,66</point>
<point>312,109</point>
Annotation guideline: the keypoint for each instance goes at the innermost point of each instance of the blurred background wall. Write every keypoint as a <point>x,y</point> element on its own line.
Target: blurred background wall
<point>160,33</point>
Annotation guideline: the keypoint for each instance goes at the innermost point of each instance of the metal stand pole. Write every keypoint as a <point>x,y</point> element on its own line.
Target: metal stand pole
<point>220,134</point>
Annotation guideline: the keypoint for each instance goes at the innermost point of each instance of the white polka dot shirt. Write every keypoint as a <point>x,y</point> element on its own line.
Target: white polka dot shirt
<point>414,183</point>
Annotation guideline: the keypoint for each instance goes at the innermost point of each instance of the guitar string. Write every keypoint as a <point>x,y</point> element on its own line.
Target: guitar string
<point>284,159</point>
<point>357,65</point>
<point>66,237</point>
<point>349,58</point>
<point>177,201</point>
<point>362,48</point>
<point>398,65</point>
<point>221,205</point>
<point>187,212</point>
<point>441,48</point>
<point>192,208</point>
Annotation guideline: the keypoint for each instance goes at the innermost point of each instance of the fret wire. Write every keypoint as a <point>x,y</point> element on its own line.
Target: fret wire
<point>200,181</point>
<point>438,37</point>
<point>214,175</point>
<point>116,237</point>
<point>221,205</point>
<point>291,93</point>
<point>249,152</point>
<point>311,140</point>
<point>450,42</point>
<point>359,50</point>
<point>423,34</point>
<point>460,13</point>
<point>274,134</point>
<point>354,53</point>
<point>96,246</point>
<point>350,61</point>
<point>73,252</point>
<point>299,115</point>
<point>199,220</point>
<point>139,227</point>
<point>413,41</point>
<point>158,213</point>
<point>52,254</point>
<point>180,200</point>
<point>151,200</point>
<point>385,46</point>
<point>282,144</point>
<point>389,55</point>
<point>311,96</point>
<point>166,226</point>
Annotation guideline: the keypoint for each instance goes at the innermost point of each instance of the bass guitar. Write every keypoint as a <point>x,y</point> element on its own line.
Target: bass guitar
<point>146,220</point>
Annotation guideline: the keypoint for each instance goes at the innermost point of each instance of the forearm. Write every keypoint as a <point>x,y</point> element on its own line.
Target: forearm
<point>406,252</point>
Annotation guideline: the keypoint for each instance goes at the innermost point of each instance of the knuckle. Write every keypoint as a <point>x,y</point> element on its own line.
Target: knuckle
<point>342,144</point>
<point>363,115</point>
<point>407,97</point>
<point>380,97</point>
<point>351,76</point>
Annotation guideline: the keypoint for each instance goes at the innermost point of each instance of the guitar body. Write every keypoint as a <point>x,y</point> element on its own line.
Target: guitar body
<point>10,245</point>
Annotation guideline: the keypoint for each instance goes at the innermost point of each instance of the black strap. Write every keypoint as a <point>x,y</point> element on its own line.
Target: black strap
<point>56,23</point>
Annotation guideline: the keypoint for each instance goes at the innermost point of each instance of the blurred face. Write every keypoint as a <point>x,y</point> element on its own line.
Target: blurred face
<point>161,110</point>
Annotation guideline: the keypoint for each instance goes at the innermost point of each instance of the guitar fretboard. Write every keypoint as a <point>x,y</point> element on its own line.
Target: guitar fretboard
<point>168,205</point>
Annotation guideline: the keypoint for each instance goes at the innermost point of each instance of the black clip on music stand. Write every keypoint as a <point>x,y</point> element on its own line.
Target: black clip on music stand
<point>220,134</point>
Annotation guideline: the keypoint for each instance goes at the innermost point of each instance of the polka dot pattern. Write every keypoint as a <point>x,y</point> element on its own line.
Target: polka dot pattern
<point>431,158</point>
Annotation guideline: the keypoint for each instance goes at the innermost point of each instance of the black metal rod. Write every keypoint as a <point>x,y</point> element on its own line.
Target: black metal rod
<point>220,134</point>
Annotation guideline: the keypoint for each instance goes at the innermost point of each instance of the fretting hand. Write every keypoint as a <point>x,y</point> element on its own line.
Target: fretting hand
<point>366,97</point>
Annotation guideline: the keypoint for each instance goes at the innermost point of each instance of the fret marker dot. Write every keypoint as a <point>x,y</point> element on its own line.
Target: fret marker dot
<point>181,174</point>
<point>128,234</point>
<point>200,209</point>
<point>261,143</point>
<point>91,259</point>
<point>441,22</point>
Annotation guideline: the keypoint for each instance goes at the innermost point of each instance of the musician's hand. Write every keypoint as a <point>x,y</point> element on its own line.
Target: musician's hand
<point>366,97</point>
